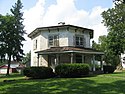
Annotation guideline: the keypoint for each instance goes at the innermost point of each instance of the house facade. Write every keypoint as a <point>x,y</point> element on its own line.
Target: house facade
<point>60,44</point>
<point>14,68</point>
<point>123,60</point>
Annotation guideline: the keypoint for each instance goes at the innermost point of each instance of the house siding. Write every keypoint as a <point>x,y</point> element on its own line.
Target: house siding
<point>66,38</point>
<point>4,70</point>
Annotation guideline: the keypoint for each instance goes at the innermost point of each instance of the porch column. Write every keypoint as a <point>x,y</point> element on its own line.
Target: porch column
<point>38,60</point>
<point>93,62</point>
<point>57,59</point>
<point>71,58</point>
<point>83,58</point>
<point>102,63</point>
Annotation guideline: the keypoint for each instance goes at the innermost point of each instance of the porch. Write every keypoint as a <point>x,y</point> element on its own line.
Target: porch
<point>60,55</point>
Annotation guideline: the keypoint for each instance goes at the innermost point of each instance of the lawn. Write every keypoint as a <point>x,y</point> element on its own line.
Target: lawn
<point>100,84</point>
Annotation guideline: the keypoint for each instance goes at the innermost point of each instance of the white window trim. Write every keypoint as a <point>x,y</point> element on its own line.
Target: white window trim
<point>79,41</point>
<point>53,40</point>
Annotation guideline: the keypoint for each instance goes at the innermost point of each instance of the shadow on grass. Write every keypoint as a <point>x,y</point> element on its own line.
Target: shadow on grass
<point>14,75</point>
<point>62,86</point>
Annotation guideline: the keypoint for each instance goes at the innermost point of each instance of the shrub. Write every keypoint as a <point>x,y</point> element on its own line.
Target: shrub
<point>38,72</point>
<point>97,67</point>
<point>108,69</point>
<point>72,70</point>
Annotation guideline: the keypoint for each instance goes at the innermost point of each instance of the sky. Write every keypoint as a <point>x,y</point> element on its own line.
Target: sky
<point>40,13</point>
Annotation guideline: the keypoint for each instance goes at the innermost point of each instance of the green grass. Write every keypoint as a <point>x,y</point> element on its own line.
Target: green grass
<point>101,84</point>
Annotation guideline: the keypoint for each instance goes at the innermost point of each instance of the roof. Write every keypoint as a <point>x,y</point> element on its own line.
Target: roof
<point>4,67</point>
<point>68,49</point>
<point>37,30</point>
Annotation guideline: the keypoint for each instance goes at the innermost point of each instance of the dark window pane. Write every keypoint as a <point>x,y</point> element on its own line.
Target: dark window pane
<point>54,40</point>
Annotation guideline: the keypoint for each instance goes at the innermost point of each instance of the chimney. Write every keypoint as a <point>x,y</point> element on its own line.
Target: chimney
<point>61,23</point>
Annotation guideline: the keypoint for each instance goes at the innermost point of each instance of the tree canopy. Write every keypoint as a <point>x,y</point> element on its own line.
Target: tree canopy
<point>27,59</point>
<point>108,57</point>
<point>114,43</point>
<point>12,34</point>
<point>114,20</point>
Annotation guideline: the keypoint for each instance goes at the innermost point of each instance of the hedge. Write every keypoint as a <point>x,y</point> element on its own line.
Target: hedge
<point>38,72</point>
<point>72,70</point>
<point>108,69</point>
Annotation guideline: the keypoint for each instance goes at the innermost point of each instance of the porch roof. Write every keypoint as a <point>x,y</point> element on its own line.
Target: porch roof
<point>68,49</point>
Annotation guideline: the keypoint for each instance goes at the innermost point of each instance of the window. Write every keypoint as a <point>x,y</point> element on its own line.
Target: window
<point>53,41</point>
<point>79,41</point>
<point>35,44</point>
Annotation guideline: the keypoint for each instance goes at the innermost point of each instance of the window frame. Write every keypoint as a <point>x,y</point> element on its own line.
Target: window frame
<point>54,41</point>
<point>79,41</point>
<point>35,44</point>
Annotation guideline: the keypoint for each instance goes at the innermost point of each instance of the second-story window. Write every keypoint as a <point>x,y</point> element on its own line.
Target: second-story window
<point>53,40</point>
<point>79,41</point>
<point>34,44</point>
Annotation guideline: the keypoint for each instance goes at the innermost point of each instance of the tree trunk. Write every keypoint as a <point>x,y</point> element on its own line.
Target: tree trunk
<point>8,68</point>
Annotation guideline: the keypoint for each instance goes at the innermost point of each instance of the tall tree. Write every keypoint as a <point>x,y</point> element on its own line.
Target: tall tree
<point>119,1</point>
<point>17,52</point>
<point>1,38</point>
<point>15,35</point>
<point>114,20</point>
<point>19,30</point>
<point>7,38</point>
<point>12,34</point>
<point>102,45</point>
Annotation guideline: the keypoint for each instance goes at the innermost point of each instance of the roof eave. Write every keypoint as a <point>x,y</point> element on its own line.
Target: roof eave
<point>60,26</point>
<point>63,52</point>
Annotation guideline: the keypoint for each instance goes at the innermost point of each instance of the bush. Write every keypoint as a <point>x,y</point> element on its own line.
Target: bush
<point>97,67</point>
<point>72,70</point>
<point>108,69</point>
<point>38,72</point>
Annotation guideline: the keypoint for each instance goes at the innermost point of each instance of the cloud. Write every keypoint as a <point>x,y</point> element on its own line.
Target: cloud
<point>63,11</point>
<point>32,19</point>
<point>33,16</point>
<point>59,12</point>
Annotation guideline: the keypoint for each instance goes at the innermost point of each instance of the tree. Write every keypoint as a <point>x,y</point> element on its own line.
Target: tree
<point>119,1</point>
<point>102,45</point>
<point>6,39</point>
<point>19,30</point>
<point>27,59</point>
<point>12,33</point>
<point>114,20</point>
<point>15,48</point>
<point>95,45</point>
<point>2,49</point>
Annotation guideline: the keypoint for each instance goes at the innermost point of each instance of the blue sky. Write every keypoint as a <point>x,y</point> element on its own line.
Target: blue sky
<point>38,13</point>
<point>89,4</point>
<point>5,5</point>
